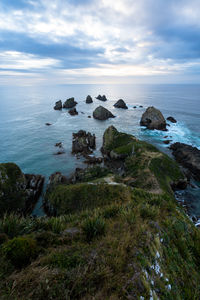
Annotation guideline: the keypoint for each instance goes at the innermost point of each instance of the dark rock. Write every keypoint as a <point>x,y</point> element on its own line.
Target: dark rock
<point>120,104</point>
<point>171,119</point>
<point>93,160</point>
<point>167,142</point>
<point>58,105</point>
<point>83,142</point>
<point>58,145</point>
<point>141,106</point>
<point>179,185</point>
<point>89,99</point>
<point>18,192</point>
<point>48,124</point>
<point>134,106</point>
<point>166,136</point>
<point>102,98</point>
<point>152,118</point>
<point>73,112</point>
<point>34,185</point>
<point>101,113</point>
<point>89,117</point>
<point>69,103</point>
<point>188,157</point>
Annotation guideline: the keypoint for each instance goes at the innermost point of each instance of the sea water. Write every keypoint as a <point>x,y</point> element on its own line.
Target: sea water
<point>27,141</point>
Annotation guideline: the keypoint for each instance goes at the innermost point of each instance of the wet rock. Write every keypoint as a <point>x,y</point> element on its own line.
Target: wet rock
<point>59,152</point>
<point>73,112</point>
<point>102,98</point>
<point>141,106</point>
<point>171,119</point>
<point>34,185</point>
<point>58,105</point>
<point>48,124</point>
<point>134,106</point>
<point>120,104</point>
<point>69,103</point>
<point>181,184</point>
<point>167,142</point>
<point>188,157</point>
<point>89,99</point>
<point>89,117</point>
<point>101,113</point>
<point>58,145</point>
<point>152,118</point>
<point>83,142</point>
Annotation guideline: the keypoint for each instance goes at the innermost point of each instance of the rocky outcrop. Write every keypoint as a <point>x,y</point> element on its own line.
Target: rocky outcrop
<point>83,142</point>
<point>171,119</point>
<point>152,118</point>
<point>102,98</point>
<point>18,192</point>
<point>120,104</point>
<point>69,103</point>
<point>101,113</point>
<point>58,105</point>
<point>92,160</point>
<point>89,99</point>
<point>73,112</point>
<point>34,185</point>
<point>188,157</point>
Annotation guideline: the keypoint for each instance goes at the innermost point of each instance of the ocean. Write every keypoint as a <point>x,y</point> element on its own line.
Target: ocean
<point>27,141</point>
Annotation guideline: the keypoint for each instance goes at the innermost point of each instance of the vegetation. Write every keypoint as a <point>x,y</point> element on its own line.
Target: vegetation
<point>114,237</point>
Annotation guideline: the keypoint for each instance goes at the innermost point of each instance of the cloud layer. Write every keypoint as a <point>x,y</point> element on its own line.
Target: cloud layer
<point>99,40</point>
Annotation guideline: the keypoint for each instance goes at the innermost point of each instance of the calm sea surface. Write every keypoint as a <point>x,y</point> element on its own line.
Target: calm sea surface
<point>27,141</point>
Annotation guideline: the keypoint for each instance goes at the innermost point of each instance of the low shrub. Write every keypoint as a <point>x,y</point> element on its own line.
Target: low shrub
<point>93,227</point>
<point>20,251</point>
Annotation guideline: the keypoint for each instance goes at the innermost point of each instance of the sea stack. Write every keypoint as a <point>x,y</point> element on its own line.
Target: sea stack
<point>69,103</point>
<point>152,118</point>
<point>101,113</point>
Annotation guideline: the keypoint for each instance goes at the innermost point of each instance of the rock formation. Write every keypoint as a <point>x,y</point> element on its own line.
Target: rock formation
<point>73,112</point>
<point>83,142</point>
<point>89,99</point>
<point>188,157</point>
<point>101,113</point>
<point>58,105</point>
<point>102,98</point>
<point>120,104</point>
<point>152,118</point>
<point>171,119</point>
<point>69,103</point>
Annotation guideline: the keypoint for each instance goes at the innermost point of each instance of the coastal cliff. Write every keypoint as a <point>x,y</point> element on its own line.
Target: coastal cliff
<point>113,232</point>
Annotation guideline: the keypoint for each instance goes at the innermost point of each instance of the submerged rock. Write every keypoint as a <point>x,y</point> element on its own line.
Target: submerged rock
<point>102,98</point>
<point>152,118</point>
<point>83,142</point>
<point>58,105</point>
<point>188,157</point>
<point>89,99</point>
<point>69,103</point>
<point>101,113</point>
<point>120,104</point>
<point>73,112</point>
<point>171,119</point>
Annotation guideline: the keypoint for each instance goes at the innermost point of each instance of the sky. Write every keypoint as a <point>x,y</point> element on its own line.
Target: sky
<point>99,41</point>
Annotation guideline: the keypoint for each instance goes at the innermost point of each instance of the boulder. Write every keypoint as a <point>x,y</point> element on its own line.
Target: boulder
<point>69,103</point>
<point>188,157</point>
<point>89,99</point>
<point>83,142</point>
<point>120,104</point>
<point>58,105</point>
<point>167,142</point>
<point>102,98</point>
<point>101,113</point>
<point>152,118</point>
<point>48,124</point>
<point>73,112</point>
<point>171,119</point>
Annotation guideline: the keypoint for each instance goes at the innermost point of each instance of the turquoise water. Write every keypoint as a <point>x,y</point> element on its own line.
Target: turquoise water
<point>27,141</point>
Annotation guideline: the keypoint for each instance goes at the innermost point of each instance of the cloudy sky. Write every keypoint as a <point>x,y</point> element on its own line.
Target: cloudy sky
<point>99,41</point>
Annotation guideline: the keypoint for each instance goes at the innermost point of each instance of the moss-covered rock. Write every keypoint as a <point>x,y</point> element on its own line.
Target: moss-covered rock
<point>12,188</point>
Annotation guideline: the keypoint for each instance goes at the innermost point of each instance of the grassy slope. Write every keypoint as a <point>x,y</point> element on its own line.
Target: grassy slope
<point>115,242</point>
